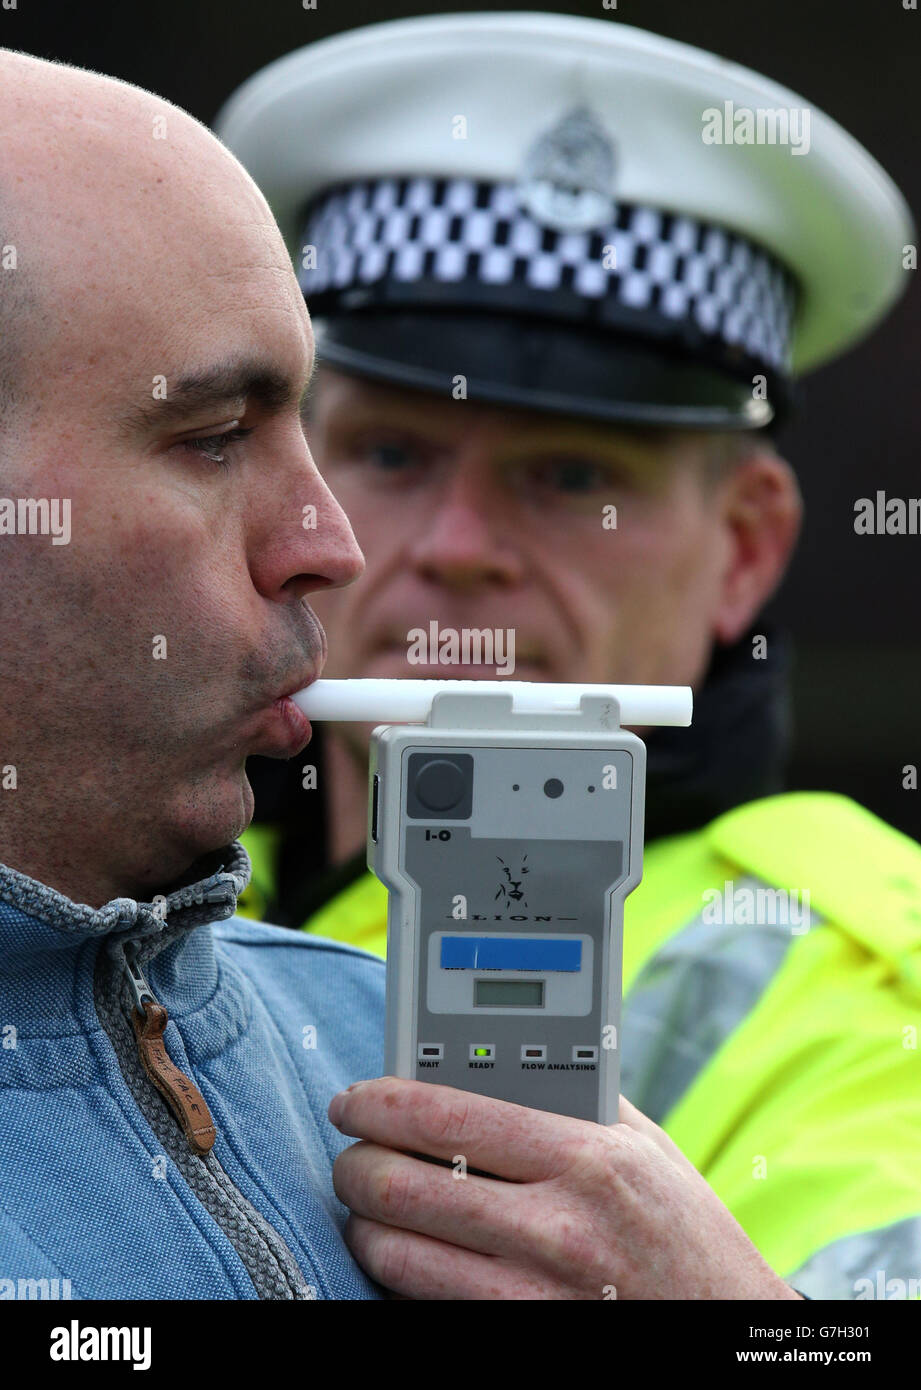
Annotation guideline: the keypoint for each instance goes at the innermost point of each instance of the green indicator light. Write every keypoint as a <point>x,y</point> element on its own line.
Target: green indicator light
<point>481,1052</point>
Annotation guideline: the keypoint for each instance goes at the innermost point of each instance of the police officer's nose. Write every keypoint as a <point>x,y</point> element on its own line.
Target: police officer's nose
<point>465,542</point>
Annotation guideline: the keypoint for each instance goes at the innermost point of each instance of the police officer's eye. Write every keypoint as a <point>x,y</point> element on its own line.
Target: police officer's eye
<point>390,457</point>
<point>575,476</point>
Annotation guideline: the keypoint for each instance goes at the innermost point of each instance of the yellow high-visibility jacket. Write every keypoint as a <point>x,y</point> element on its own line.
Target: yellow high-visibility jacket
<point>771,1025</point>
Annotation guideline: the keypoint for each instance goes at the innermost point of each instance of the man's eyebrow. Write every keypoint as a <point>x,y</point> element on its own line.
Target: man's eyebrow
<point>212,387</point>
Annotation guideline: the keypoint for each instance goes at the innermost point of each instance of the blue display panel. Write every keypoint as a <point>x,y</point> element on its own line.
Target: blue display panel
<point>509,953</point>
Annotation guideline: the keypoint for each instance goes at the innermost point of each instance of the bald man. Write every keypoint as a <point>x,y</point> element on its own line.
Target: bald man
<point>167,1119</point>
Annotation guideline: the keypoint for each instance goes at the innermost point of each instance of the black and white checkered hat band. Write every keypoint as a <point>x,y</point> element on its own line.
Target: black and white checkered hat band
<point>435,241</point>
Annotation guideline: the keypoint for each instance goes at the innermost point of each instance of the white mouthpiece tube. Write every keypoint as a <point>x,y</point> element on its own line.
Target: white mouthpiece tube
<point>410,701</point>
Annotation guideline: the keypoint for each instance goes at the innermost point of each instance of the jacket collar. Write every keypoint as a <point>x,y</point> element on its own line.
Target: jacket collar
<point>737,746</point>
<point>54,952</point>
<point>208,892</point>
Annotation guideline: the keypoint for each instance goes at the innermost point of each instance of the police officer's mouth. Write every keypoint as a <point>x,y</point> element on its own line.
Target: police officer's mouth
<point>450,659</point>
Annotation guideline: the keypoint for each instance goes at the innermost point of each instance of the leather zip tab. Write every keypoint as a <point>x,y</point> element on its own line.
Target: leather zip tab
<point>149,1020</point>
<point>268,1261</point>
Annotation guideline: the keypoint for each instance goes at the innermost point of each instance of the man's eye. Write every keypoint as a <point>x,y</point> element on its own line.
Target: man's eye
<point>211,445</point>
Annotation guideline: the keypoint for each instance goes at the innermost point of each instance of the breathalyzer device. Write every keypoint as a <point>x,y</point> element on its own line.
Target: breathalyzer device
<point>508,829</point>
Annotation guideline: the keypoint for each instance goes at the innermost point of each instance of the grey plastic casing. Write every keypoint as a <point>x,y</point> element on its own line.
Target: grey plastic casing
<point>522,877</point>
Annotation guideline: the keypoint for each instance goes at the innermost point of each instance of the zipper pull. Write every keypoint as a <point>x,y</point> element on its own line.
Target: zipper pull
<point>149,1019</point>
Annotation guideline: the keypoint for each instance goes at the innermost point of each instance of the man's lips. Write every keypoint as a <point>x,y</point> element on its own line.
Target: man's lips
<point>289,729</point>
<point>294,722</point>
<point>293,686</point>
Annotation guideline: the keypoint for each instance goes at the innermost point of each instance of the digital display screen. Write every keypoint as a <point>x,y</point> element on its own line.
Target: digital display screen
<point>511,953</point>
<point>501,994</point>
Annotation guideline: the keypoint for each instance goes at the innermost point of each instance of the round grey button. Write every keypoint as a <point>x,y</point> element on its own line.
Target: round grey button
<point>440,785</point>
<point>553,787</point>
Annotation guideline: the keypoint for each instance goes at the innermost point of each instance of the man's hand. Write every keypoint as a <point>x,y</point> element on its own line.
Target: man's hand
<point>574,1209</point>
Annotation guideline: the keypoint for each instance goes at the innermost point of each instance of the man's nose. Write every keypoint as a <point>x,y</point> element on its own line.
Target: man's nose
<point>466,539</point>
<point>305,542</point>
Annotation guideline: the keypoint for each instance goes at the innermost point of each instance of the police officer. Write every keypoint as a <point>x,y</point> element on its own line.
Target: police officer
<point>563,276</point>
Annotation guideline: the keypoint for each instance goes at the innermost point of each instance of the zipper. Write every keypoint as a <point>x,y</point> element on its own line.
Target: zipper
<point>267,1259</point>
<point>149,1020</point>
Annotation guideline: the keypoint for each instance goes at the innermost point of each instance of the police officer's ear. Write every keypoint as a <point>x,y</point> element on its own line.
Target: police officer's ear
<point>760,508</point>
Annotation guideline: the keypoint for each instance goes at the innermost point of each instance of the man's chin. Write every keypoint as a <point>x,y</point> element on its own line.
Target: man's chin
<point>211,818</point>
<point>249,804</point>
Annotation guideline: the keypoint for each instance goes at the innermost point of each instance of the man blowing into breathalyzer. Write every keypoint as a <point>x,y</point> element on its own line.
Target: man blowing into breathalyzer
<point>173,1096</point>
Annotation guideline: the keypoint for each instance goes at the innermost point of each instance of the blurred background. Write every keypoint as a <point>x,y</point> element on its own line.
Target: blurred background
<point>851,602</point>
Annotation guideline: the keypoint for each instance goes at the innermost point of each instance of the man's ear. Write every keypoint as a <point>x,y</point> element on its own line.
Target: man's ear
<point>762,510</point>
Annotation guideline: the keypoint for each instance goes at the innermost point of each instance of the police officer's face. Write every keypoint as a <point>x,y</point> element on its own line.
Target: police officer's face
<point>482,517</point>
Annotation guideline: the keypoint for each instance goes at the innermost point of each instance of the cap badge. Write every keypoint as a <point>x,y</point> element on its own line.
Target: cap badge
<point>568,176</point>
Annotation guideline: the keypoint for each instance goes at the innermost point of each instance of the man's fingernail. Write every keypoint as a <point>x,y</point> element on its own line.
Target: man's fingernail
<point>338,1101</point>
